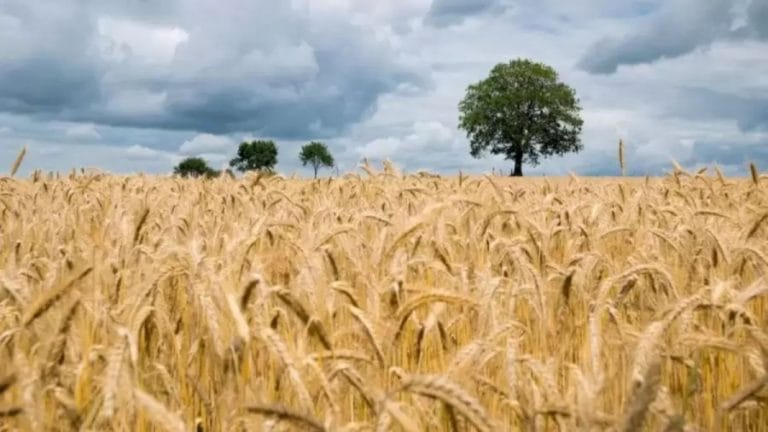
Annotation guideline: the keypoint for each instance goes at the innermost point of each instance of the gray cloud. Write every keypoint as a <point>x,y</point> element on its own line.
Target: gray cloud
<point>757,18</point>
<point>47,59</point>
<point>83,131</point>
<point>749,113</point>
<point>679,27</point>
<point>47,87</point>
<point>252,66</point>
<point>449,12</point>
<point>730,153</point>
<point>329,90</point>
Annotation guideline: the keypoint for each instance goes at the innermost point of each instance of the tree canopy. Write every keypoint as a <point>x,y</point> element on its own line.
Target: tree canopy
<point>317,155</point>
<point>255,155</point>
<point>194,167</point>
<point>521,111</point>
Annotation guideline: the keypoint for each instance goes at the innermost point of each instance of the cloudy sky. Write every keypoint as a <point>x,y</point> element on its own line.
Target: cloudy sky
<point>136,85</point>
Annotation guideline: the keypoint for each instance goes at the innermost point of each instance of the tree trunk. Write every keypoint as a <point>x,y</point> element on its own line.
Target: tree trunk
<point>315,166</point>
<point>518,171</point>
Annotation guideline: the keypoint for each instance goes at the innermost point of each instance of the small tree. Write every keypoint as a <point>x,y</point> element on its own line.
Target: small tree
<point>317,155</point>
<point>255,155</point>
<point>523,112</point>
<point>194,167</point>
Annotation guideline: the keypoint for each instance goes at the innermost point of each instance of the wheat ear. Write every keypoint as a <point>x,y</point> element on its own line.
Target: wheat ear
<point>403,420</point>
<point>621,158</point>
<point>434,296</point>
<point>111,378</point>
<point>740,396</point>
<point>273,341</point>
<point>755,173</point>
<point>756,226</point>
<point>367,326</point>
<point>440,388</point>
<point>159,414</point>
<point>293,304</point>
<point>17,162</point>
<point>284,414</point>
<point>645,377</point>
<point>42,304</point>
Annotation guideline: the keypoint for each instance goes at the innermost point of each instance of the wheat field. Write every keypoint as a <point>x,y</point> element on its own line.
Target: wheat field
<point>379,301</point>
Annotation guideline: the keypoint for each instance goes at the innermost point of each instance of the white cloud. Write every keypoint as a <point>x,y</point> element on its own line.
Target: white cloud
<point>431,131</point>
<point>216,160</point>
<point>124,38</point>
<point>420,145</point>
<point>83,132</point>
<point>381,148</point>
<point>140,152</point>
<point>206,143</point>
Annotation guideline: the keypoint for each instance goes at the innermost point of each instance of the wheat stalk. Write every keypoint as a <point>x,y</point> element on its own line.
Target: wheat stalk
<point>114,367</point>
<point>18,160</point>
<point>281,351</point>
<point>621,158</point>
<point>754,173</point>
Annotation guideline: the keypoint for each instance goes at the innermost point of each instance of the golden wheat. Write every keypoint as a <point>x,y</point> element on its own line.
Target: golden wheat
<point>383,302</point>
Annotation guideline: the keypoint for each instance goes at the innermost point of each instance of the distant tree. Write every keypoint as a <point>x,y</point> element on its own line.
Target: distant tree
<point>194,167</point>
<point>523,112</point>
<point>317,155</point>
<point>255,155</point>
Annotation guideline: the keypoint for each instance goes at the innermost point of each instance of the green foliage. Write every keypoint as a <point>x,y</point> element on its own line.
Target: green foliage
<point>521,111</point>
<point>194,167</point>
<point>317,155</point>
<point>255,155</point>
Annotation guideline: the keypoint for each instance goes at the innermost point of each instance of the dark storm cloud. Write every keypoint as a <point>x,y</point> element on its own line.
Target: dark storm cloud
<point>255,66</point>
<point>678,28</point>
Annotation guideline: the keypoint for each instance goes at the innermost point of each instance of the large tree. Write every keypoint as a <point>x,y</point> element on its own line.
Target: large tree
<point>521,111</point>
<point>317,155</point>
<point>194,167</point>
<point>255,155</point>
